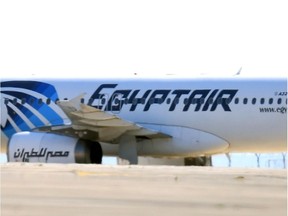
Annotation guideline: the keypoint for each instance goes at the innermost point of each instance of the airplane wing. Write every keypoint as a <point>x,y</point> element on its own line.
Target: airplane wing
<point>90,123</point>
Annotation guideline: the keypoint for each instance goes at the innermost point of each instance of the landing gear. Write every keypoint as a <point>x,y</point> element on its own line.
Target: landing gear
<point>198,161</point>
<point>128,150</point>
<point>96,153</point>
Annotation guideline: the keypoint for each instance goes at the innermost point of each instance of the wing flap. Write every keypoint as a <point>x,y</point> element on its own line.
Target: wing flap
<point>91,113</point>
<point>106,123</point>
<point>107,127</point>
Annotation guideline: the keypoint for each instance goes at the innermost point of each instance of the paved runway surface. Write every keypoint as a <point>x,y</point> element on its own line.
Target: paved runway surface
<point>53,189</point>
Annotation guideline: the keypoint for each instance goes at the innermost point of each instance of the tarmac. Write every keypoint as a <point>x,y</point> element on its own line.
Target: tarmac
<point>73,189</point>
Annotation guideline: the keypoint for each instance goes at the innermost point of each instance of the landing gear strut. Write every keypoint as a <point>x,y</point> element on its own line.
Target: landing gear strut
<point>198,161</point>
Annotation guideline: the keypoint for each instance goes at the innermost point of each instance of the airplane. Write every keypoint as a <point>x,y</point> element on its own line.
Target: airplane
<point>82,120</point>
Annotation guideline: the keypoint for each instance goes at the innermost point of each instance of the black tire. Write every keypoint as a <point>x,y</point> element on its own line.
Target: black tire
<point>96,153</point>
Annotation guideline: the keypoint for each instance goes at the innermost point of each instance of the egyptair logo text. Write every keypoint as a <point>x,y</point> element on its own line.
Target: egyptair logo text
<point>197,100</point>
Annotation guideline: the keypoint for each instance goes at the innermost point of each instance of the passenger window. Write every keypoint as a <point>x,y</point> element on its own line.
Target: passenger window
<point>142,100</point>
<point>15,101</point>
<point>245,101</point>
<point>117,101</point>
<point>194,101</point>
<point>262,101</point>
<point>168,101</point>
<point>202,100</point>
<point>236,100</point>
<point>176,100</point>
<point>279,101</point>
<point>218,101</point>
<point>90,101</point>
<point>159,100</point>
<point>40,101</point>
<point>31,100</point>
<point>254,101</point>
<point>227,100</point>
<point>151,100</point>
<point>6,101</point>
<point>48,101</point>
<point>271,101</point>
<point>82,101</point>
<point>134,101</point>
<point>103,101</point>
<point>23,101</point>
<point>186,101</point>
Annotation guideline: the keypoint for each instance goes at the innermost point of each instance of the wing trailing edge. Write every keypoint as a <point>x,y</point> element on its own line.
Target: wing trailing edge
<point>95,124</point>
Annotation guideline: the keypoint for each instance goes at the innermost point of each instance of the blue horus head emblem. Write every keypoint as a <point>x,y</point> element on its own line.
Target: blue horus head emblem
<point>26,105</point>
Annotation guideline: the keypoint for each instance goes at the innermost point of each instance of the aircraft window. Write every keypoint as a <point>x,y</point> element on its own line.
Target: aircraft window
<point>194,101</point>
<point>245,101</point>
<point>151,100</point>
<point>159,100</point>
<point>168,101</point>
<point>48,101</point>
<point>90,101</point>
<point>186,101</point>
<point>210,100</point>
<point>31,100</point>
<point>236,100</point>
<point>176,100</point>
<point>254,101</point>
<point>6,101</point>
<point>279,101</point>
<point>103,100</point>
<point>262,101</point>
<point>228,100</point>
<point>40,101</point>
<point>134,102</point>
<point>23,100</point>
<point>117,101</point>
<point>15,101</point>
<point>82,101</point>
<point>271,101</point>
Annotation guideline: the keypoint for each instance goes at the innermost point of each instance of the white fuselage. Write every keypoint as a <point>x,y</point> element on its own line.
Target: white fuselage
<point>249,114</point>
